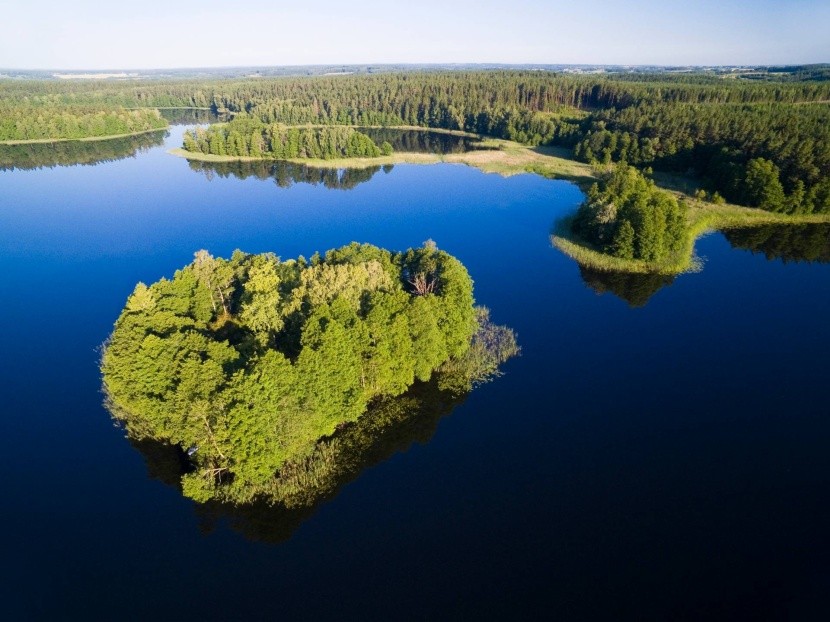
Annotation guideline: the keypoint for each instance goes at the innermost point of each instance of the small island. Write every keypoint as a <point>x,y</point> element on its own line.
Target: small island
<point>249,365</point>
<point>246,137</point>
<point>628,224</point>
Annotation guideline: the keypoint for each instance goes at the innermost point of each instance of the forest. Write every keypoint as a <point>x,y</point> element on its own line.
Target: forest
<point>774,156</point>
<point>757,142</point>
<point>58,122</point>
<point>247,363</point>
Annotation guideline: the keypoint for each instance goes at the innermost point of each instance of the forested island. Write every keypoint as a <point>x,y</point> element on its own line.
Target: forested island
<point>246,137</point>
<point>250,365</point>
<point>721,142</point>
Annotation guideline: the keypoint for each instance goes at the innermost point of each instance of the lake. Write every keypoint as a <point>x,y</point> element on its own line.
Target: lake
<point>659,450</point>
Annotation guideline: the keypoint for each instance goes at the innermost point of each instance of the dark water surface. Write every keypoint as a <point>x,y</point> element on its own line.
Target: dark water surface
<point>422,141</point>
<point>664,457</point>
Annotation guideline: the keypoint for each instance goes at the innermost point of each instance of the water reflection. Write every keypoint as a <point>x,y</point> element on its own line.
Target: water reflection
<point>285,174</point>
<point>390,426</point>
<point>192,116</point>
<point>422,141</point>
<point>74,152</point>
<point>635,289</point>
<point>790,243</point>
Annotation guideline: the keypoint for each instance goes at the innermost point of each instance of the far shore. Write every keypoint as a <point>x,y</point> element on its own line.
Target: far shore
<point>506,158</point>
<point>36,141</point>
<point>503,157</point>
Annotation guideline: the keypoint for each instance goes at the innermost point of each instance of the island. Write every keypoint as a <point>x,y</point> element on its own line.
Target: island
<point>250,365</point>
<point>245,137</point>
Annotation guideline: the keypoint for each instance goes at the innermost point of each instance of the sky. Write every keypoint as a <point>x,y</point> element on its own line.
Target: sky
<point>93,34</point>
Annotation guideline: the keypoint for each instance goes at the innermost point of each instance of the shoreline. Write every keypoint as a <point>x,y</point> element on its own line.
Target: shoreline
<point>86,139</point>
<point>703,218</point>
<point>507,158</point>
<point>501,156</point>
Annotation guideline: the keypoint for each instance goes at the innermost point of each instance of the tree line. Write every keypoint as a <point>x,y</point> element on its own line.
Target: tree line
<point>775,156</point>
<point>709,126</point>
<point>249,137</point>
<point>24,122</point>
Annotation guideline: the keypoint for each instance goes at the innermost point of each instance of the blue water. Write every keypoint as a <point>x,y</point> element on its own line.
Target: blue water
<point>662,462</point>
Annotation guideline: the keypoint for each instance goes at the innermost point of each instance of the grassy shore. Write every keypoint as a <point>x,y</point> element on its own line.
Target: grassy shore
<point>36,141</point>
<point>502,157</point>
<point>507,158</point>
<point>703,217</point>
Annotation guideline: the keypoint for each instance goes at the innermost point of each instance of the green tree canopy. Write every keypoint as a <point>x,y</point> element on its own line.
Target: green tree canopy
<point>247,363</point>
<point>626,215</point>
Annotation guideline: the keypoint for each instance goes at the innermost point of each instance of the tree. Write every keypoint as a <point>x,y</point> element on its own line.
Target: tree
<point>762,186</point>
<point>261,298</point>
<point>623,244</point>
<point>216,276</point>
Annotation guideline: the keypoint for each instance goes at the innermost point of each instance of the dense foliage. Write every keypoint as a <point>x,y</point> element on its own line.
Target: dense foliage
<point>248,137</point>
<point>775,156</point>
<point>626,215</point>
<point>742,137</point>
<point>390,424</point>
<point>26,122</point>
<point>248,362</point>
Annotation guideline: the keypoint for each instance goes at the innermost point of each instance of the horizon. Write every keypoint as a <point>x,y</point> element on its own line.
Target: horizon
<point>50,35</point>
<point>412,65</point>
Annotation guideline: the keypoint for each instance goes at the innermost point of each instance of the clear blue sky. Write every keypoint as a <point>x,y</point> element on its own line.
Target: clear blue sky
<point>93,34</point>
